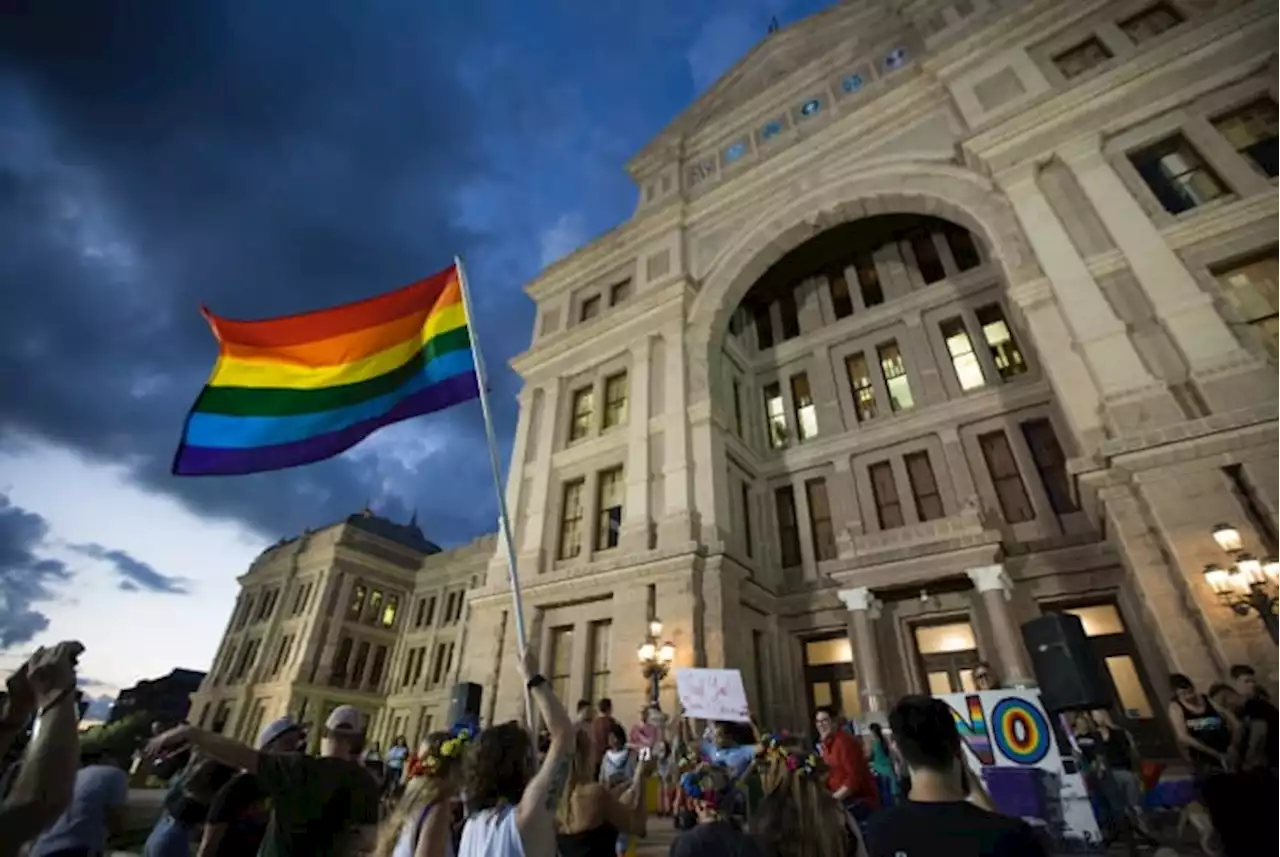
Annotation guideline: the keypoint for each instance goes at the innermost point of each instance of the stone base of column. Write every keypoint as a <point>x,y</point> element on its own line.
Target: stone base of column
<point>636,538</point>
<point>1239,383</point>
<point>1145,408</point>
<point>679,530</point>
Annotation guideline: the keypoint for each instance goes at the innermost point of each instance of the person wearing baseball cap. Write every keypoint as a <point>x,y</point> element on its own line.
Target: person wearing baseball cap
<point>325,805</point>
<point>241,811</point>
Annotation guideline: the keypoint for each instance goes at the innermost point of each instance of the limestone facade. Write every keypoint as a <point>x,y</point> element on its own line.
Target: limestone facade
<point>365,612</point>
<point>932,316</point>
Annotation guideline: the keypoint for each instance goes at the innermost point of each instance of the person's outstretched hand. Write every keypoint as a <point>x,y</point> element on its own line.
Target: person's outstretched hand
<point>170,740</point>
<point>52,672</point>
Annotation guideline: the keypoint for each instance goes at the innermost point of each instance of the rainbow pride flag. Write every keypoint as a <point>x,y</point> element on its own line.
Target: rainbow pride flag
<point>303,388</point>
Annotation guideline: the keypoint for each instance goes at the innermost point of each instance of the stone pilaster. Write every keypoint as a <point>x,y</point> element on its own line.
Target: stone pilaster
<point>1186,310</point>
<point>995,587</point>
<point>1113,361</point>
<point>637,524</point>
<point>531,553</point>
<point>864,609</point>
<point>679,526</point>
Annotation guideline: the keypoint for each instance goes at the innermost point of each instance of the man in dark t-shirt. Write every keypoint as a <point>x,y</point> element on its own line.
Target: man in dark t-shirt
<point>936,818</point>
<point>240,812</point>
<point>321,807</point>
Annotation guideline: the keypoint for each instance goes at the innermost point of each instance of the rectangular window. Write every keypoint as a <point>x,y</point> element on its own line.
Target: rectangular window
<point>590,308</point>
<point>928,262</point>
<point>924,487</point>
<point>764,328</point>
<point>788,530</point>
<point>884,490</point>
<point>963,358</point>
<point>895,376</point>
<point>775,413</point>
<point>746,519</point>
<point>562,661</point>
<point>864,391</point>
<point>580,416</point>
<point>806,411</point>
<point>419,612</point>
<point>362,659</point>
<point>601,649</point>
<point>790,315</point>
<point>374,610</point>
<point>431,612</point>
<point>407,674</point>
<point>1087,55</point>
<point>1177,175</point>
<point>1251,131</point>
<point>358,595</point>
<point>841,300</point>
<point>1150,22</point>
<point>609,491</point>
<point>1051,464</point>
<point>1250,288</point>
<point>389,611</point>
<point>419,663</point>
<point>868,280</point>
<point>1004,350</point>
<point>571,520</point>
<point>963,250</point>
<point>341,658</point>
<point>820,525</point>
<point>615,400</point>
<point>1005,477</point>
<point>737,406</point>
<point>437,664</point>
<point>376,668</point>
<point>619,292</point>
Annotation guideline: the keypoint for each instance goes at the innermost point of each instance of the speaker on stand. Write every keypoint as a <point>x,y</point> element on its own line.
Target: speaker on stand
<point>464,706</point>
<point>1068,672</point>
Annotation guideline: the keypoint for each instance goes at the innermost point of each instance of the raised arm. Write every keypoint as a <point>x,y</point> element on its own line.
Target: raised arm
<point>46,781</point>
<point>220,748</point>
<point>538,803</point>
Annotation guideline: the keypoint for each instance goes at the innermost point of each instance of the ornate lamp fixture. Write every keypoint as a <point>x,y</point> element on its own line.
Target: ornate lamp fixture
<point>655,659</point>
<point>1248,584</point>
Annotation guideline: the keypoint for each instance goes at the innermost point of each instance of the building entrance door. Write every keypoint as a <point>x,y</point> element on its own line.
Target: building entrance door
<point>1131,687</point>
<point>948,653</point>
<point>829,676</point>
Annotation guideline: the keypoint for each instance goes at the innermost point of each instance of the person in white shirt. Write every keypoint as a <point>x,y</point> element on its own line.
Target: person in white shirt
<point>96,811</point>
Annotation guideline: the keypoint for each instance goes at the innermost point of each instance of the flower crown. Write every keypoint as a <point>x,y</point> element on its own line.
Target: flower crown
<point>450,748</point>
<point>773,748</point>
<point>691,783</point>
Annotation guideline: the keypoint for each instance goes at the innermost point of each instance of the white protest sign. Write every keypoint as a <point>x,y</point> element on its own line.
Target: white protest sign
<point>712,694</point>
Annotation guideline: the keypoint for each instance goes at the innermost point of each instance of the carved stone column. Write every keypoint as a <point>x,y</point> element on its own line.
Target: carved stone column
<point>1185,309</point>
<point>531,554</point>
<point>864,609</point>
<point>637,528</point>
<point>995,587</point>
<point>678,525</point>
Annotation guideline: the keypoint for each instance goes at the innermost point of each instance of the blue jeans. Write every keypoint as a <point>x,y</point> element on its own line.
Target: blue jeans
<point>168,839</point>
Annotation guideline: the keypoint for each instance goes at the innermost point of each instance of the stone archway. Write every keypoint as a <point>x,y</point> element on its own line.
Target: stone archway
<point>938,190</point>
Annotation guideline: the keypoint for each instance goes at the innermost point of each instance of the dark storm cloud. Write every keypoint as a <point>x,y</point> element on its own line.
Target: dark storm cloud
<point>134,574</point>
<point>260,158</point>
<point>25,578</point>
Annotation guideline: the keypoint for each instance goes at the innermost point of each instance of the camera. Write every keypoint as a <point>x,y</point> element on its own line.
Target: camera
<point>645,753</point>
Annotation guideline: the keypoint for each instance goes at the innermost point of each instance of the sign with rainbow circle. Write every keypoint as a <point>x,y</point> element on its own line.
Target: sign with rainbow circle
<point>1011,729</point>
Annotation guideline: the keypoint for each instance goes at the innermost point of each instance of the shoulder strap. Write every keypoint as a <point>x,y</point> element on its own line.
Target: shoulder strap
<point>420,823</point>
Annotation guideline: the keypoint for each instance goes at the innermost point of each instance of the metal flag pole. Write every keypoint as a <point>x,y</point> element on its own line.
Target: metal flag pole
<point>504,521</point>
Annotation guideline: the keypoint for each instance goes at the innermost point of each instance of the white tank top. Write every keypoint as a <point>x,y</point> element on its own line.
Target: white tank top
<point>409,834</point>
<point>491,833</point>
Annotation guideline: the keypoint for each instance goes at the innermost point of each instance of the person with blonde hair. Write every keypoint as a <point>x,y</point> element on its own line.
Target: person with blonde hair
<point>592,819</point>
<point>421,825</point>
<point>798,816</point>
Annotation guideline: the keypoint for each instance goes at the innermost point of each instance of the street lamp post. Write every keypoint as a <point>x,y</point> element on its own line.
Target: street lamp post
<point>655,659</point>
<point>1250,584</point>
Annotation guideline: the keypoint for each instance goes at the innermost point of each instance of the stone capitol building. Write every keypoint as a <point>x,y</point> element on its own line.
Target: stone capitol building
<point>933,316</point>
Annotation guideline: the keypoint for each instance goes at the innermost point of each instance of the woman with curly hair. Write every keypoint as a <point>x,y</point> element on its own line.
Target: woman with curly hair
<point>421,825</point>
<point>591,821</point>
<point>512,802</point>
<point>798,817</point>
<point>710,791</point>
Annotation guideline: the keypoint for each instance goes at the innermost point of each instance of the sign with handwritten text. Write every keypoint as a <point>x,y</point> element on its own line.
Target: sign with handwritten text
<point>712,694</point>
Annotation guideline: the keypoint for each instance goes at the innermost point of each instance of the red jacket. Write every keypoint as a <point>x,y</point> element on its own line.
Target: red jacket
<point>848,768</point>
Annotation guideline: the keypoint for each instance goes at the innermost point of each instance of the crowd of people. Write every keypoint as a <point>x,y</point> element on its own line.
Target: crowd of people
<point>578,788</point>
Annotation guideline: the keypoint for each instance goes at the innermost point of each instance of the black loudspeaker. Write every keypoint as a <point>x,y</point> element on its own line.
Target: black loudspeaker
<point>464,707</point>
<point>1068,672</point>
